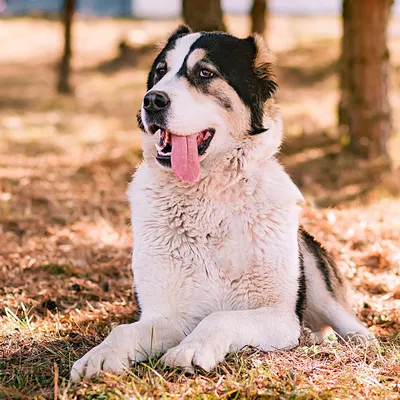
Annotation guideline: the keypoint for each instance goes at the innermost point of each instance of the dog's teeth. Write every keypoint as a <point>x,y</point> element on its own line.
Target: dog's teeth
<point>159,148</point>
<point>158,131</point>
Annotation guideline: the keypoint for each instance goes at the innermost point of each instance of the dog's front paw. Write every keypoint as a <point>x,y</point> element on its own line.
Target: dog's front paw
<point>196,353</point>
<point>114,354</point>
<point>359,337</point>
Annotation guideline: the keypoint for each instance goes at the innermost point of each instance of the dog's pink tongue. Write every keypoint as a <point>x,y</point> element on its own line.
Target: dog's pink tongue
<point>185,158</point>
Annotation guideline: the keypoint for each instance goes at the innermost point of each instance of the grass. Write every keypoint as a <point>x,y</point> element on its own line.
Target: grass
<point>65,240</point>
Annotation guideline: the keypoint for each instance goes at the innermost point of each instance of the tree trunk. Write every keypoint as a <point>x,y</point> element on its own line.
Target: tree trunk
<point>364,105</point>
<point>65,63</point>
<point>203,15</point>
<point>259,17</point>
<point>343,116</point>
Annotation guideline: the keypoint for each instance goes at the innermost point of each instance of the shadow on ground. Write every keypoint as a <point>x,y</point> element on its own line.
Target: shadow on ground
<point>328,173</point>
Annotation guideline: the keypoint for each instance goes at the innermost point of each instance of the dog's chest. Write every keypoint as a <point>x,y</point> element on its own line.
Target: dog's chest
<point>234,254</point>
<point>225,238</point>
<point>209,254</point>
<point>231,252</point>
<point>224,235</point>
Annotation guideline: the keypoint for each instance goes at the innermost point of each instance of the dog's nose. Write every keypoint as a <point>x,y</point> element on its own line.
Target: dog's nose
<point>156,101</point>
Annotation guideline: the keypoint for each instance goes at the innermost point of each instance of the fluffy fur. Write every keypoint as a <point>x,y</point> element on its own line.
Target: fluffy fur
<point>220,263</point>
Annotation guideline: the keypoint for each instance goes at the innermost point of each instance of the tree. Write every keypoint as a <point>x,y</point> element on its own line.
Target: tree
<point>203,15</point>
<point>259,14</point>
<point>364,108</point>
<point>65,63</point>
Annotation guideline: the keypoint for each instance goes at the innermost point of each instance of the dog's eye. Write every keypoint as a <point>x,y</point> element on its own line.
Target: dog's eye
<point>206,73</point>
<point>161,71</point>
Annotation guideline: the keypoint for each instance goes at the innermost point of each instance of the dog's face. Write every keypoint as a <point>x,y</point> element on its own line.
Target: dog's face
<point>208,94</point>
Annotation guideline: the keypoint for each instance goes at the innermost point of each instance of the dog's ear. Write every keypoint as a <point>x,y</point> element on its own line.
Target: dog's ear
<point>180,31</point>
<point>263,64</point>
<point>264,60</point>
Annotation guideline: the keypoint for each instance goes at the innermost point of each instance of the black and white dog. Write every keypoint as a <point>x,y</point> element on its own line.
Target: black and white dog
<point>220,261</point>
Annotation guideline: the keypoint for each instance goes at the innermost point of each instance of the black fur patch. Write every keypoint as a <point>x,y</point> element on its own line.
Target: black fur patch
<point>302,290</point>
<point>234,59</point>
<point>202,84</point>
<point>257,131</point>
<point>153,77</point>
<point>324,262</point>
<point>334,268</point>
<point>139,121</point>
<point>138,308</point>
<point>180,32</point>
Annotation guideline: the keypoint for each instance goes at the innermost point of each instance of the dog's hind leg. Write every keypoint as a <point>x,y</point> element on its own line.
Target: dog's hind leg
<point>322,311</point>
<point>326,293</point>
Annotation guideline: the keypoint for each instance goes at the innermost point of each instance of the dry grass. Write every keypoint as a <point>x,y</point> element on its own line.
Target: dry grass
<point>65,240</point>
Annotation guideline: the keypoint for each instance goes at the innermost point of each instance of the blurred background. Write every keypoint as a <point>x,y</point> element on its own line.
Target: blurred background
<point>72,78</point>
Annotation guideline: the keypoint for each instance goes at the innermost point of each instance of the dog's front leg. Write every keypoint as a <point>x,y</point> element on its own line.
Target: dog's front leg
<point>269,328</point>
<point>129,343</point>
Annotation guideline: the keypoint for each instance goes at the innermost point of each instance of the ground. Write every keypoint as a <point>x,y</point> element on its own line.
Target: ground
<point>65,239</point>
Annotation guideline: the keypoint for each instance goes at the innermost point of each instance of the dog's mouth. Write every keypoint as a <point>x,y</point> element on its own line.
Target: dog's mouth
<point>182,153</point>
<point>164,147</point>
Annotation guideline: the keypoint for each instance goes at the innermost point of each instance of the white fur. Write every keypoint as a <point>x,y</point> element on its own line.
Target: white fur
<point>216,264</point>
<point>231,265</point>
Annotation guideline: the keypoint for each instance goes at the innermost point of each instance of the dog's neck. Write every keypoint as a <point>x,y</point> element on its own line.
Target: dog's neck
<point>230,176</point>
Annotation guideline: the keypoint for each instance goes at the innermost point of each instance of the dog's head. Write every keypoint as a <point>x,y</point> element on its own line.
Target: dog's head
<point>209,94</point>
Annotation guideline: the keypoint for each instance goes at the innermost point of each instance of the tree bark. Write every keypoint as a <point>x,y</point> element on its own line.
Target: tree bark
<point>259,17</point>
<point>343,116</point>
<point>203,15</point>
<point>64,85</point>
<point>364,109</point>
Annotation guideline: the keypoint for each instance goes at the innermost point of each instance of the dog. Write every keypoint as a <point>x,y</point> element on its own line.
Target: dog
<point>220,260</point>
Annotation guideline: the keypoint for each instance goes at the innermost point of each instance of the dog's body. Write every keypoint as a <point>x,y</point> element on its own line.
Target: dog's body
<point>220,261</point>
